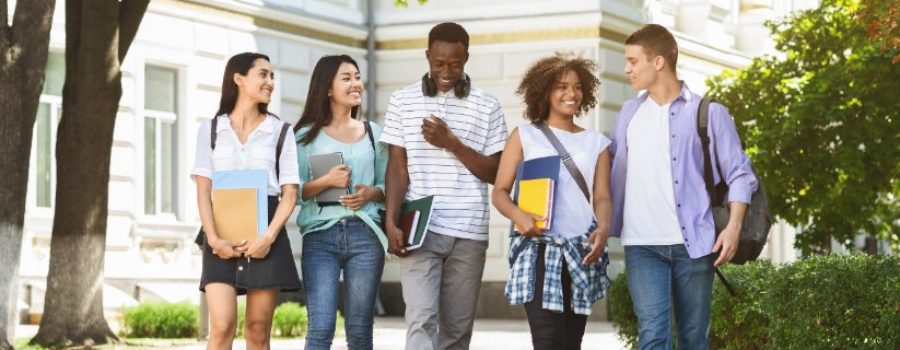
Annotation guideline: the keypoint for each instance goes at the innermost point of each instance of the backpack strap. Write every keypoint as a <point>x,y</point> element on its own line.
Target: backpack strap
<point>567,160</point>
<point>714,199</point>
<point>702,131</point>
<point>212,133</point>
<point>278,147</point>
<point>371,141</point>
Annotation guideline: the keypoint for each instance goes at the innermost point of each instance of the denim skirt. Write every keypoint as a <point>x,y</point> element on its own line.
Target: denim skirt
<point>276,271</point>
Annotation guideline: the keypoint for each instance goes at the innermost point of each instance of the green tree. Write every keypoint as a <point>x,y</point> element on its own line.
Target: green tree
<point>821,120</point>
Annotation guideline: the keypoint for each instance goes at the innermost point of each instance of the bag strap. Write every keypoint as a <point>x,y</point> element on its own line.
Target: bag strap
<point>702,131</point>
<point>371,141</point>
<point>212,133</point>
<point>284,129</point>
<point>567,160</point>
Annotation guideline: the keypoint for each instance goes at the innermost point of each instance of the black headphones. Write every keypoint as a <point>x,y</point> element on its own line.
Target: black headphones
<point>461,89</point>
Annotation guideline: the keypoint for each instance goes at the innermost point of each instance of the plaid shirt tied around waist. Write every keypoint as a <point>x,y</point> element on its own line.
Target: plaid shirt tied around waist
<point>589,283</point>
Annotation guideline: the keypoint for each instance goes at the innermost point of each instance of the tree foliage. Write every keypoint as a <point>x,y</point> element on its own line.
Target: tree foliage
<point>820,120</point>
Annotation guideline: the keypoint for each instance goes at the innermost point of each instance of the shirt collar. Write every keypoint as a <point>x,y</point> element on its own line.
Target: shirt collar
<point>685,94</point>
<point>265,126</point>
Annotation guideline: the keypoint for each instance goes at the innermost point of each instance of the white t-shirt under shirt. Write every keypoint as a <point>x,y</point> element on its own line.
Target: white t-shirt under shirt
<point>649,214</point>
<point>257,153</point>
<point>460,198</point>
<point>573,214</point>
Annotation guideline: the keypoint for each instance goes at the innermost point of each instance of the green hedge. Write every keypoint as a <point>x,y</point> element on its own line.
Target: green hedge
<point>161,320</point>
<point>824,302</point>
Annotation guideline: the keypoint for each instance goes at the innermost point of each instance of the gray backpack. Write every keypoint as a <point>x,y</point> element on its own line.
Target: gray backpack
<point>757,220</point>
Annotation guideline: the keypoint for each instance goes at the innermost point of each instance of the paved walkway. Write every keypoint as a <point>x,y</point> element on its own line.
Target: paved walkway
<point>390,334</point>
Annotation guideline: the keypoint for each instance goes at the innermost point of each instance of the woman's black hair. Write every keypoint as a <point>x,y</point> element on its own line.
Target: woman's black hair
<point>317,111</point>
<point>241,64</point>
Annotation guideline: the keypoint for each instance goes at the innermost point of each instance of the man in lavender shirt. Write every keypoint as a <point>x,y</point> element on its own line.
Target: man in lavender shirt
<point>661,208</point>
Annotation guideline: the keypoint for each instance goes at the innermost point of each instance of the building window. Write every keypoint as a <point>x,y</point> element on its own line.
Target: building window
<point>160,140</point>
<point>48,114</point>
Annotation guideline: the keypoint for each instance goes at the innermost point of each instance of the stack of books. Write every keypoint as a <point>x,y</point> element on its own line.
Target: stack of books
<point>535,189</point>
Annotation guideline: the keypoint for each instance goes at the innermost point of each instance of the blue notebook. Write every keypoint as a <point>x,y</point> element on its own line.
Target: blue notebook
<point>256,178</point>
<point>538,168</point>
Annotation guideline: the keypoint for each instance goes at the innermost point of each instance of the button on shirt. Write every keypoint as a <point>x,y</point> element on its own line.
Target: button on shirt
<point>257,153</point>
<point>691,198</point>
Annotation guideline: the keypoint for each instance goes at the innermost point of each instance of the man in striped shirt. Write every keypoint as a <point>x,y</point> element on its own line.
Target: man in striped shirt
<point>445,140</point>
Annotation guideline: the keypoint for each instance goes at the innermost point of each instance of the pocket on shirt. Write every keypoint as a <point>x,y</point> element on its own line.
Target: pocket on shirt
<point>223,158</point>
<point>263,158</point>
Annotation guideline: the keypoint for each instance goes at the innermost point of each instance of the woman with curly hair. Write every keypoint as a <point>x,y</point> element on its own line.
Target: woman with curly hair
<point>560,272</point>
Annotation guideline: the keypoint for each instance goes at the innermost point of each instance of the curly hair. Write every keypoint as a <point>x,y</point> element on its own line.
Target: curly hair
<point>540,78</point>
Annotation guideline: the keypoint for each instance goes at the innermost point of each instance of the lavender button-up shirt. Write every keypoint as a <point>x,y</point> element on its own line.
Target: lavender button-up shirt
<point>691,198</point>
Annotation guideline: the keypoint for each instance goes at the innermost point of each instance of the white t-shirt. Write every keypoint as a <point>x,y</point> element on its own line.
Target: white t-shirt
<point>572,214</point>
<point>649,215</point>
<point>460,198</point>
<point>257,153</point>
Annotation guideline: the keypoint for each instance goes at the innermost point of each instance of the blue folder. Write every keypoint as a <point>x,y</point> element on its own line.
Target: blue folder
<point>538,168</point>
<point>256,178</point>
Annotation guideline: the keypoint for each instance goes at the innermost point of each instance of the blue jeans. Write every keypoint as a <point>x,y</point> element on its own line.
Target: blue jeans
<point>349,246</point>
<point>660,277</point>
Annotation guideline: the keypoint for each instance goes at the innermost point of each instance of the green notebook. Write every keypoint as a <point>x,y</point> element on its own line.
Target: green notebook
<point>423,206</point>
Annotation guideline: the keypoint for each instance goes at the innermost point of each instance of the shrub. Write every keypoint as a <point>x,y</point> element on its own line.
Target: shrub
<point>161,320</point>
<point>825,302</point>
<point>289,320</point>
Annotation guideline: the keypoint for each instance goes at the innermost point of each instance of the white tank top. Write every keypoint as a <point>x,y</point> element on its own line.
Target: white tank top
<point>572,214</point>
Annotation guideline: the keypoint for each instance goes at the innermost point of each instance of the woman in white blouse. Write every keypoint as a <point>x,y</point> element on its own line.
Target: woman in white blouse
<point>243,135</point>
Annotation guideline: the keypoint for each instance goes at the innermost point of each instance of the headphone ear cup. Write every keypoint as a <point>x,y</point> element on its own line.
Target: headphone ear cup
<point>463,86</point>
<point>429,87</point>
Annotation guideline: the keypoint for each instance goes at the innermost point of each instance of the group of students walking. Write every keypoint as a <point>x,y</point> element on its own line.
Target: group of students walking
<point>445,137</point>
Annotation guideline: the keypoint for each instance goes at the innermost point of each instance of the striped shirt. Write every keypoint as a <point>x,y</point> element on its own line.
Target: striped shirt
<point>460,199</point>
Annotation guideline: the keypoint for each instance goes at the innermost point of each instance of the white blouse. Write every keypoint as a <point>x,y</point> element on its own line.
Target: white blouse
<point>257,153</point>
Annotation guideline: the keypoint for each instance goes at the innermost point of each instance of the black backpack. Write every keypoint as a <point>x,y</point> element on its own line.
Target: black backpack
<point>757,220</point>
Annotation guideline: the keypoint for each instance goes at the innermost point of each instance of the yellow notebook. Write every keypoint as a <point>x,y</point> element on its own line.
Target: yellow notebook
<point>536,197</point>
<point>235,213</point>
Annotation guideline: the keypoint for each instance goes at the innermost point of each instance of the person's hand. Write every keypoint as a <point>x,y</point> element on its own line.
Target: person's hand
<point>527,223</point>
<point>260,247</point>
<point>226,250</point>
<point>396,243</point>
<point>438,133</point>
<point>339,176</point>
<point>727,241</point>
<point>597,242</point>
<point>360,196</point>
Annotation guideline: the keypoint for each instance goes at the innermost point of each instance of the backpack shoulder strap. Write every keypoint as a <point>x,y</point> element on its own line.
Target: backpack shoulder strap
<point>371,141</point>
<point>567,160</point>
<point>284,129</point>
<point>212,132</point>
<point>703,133</point>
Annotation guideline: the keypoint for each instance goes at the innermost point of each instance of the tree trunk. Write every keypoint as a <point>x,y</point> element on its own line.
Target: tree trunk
<point>98,34</point>
<point>23,61</point>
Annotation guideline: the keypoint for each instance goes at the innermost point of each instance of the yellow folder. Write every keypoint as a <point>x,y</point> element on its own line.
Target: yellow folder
<point>536,197</point>
<point>235,213</point>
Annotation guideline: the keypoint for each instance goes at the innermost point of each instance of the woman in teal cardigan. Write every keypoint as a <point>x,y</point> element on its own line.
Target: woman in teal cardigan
<point>344,237</point>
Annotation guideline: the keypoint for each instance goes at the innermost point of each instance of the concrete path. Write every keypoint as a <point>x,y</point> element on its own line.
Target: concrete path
<point>390,334</point>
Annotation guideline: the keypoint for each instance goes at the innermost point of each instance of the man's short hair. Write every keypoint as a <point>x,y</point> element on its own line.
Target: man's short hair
<point>656,41</point>
<point>449,32</point>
